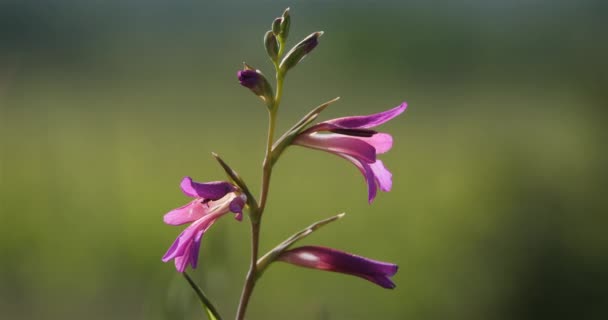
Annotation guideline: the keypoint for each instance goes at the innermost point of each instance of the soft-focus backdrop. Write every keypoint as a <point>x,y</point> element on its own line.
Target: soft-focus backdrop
<point>498,209</point>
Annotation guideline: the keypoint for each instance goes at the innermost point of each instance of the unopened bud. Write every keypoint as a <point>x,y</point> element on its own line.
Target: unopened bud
<point>300,50</point>
<point>257,83</point>
<point>276,26</point>
<point>272,46</point>
<point>285,23</point>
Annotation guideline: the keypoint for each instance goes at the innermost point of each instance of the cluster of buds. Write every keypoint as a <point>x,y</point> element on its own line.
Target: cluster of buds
<point>352,138</point>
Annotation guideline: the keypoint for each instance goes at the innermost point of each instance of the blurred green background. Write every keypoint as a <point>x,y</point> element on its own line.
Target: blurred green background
<point>498,209</point>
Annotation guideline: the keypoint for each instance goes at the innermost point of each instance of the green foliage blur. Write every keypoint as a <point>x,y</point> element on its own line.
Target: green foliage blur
<point>498,209</point>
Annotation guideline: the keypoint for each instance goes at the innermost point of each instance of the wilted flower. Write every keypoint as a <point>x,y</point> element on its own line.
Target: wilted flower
<point>352,139</point>
<point>211,201</point>
<point>329,259</point>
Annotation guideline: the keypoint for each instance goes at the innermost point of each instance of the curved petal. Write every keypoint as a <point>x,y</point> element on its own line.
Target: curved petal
<point>382,142</point>
<point>383,176</point>
<point>236,206</point>
<point>195,247</point>
<point>209,190</point>
<point>185,248</point>
<point>338,144</point>
<point>368,174</point>
<point>368,121</point>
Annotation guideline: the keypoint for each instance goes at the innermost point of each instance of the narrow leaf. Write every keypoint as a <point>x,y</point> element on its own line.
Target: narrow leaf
<point>236,178</point>
<point>285,140</point>
<point>210,310</point>
<point>273,254</point>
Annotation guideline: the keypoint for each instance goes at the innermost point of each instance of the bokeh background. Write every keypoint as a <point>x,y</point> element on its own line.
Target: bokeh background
<point>498,209</point>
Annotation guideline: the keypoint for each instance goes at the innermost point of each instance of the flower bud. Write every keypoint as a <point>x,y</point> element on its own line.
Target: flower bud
<point>285,23</point>
<point>329,259</point>
<point>257,83</point>
<point>276,26</point>
<point>300,50</point>
<point>272,46</point>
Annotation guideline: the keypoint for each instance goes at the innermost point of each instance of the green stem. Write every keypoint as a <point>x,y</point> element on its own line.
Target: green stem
<point>212,313</point>
<point>256,213</point>
<point>251,274</point>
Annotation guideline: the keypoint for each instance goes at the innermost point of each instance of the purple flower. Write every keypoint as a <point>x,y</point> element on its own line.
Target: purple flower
<point>352,139</point>
<point>211,201</point>
<point>328,259</point>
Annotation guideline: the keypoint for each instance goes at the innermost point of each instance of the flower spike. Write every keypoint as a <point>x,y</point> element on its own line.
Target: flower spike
<point>329,259</point>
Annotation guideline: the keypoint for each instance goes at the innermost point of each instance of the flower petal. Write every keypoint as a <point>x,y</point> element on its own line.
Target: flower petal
<point>209,190</point>
<point>236,206</point>
<point>383,176</point>
<point>368,121</point>
<point>368,174</point>
<point>187,213</point>
<point>195,246</point>
<point>382,142</point>
<point>185,248</point>
<point>338,144</point>
<point>329,259</point>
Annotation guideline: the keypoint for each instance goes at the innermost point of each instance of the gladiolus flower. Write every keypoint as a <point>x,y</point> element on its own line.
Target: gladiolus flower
<point>211,201</point>
<point>351,138</point>
<point>328,259</point>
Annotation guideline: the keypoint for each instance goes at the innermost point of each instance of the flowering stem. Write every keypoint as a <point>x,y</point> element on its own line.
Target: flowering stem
<point>251,274</point>
<point>256,213</point>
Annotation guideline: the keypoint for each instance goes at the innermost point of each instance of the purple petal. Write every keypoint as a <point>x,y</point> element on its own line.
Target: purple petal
<point>210,190</point>
<point>338,144</point>
<point>383,281</point>
<point>187,213</point>
<point>383,176</point>
<point>382,142</point>
<point>249,78</point>
<point>329,259</point>
<point>171,252</point>
<point>185,248</point>
<point>195,247</point>
<point>181,263</point>
<point>368,121</point>
<point>236,206</point>
<point>368,174</point>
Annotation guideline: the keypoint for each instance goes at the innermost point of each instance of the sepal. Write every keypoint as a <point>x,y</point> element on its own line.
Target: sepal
<point>285,24</point>
<point>272,45</point>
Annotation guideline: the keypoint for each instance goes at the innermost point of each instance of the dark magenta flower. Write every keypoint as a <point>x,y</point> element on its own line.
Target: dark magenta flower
<point>211,201</point>
<point>328,259</point>
<point>351,138</point>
